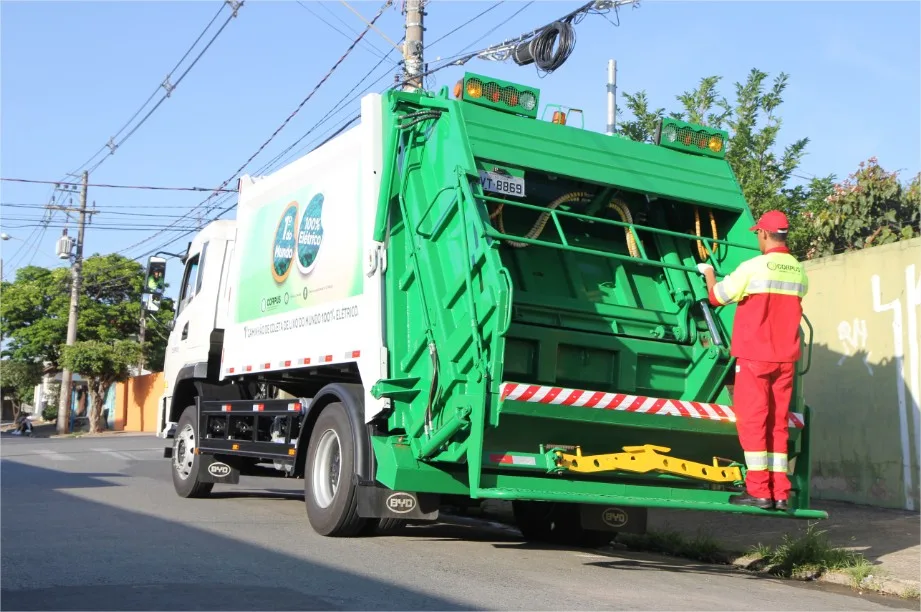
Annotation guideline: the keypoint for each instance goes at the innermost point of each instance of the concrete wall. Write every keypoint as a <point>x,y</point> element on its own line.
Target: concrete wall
<point>865,381</point>
<point>136,403</point>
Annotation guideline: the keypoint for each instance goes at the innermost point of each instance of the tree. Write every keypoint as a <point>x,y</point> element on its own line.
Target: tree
<point>754,125</point>
<point>18,380</point>
<point>871,207</point>
<point>35,309</point>
<point>102,364</point>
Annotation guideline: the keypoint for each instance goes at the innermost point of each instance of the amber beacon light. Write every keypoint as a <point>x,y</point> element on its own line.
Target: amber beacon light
<point>691,138</point>
<point>497,94</point>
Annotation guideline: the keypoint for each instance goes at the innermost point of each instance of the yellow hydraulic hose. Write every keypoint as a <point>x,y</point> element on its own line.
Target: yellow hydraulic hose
<point>573,196</point>
<point>538,227</point>
<point>626,217</point>
<point>702,250</point>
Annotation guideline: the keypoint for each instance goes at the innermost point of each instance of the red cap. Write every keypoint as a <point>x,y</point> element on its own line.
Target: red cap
<point>772,221</point>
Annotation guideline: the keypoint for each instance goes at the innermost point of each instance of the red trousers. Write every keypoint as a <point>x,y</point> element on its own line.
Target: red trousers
<point>762,402</point>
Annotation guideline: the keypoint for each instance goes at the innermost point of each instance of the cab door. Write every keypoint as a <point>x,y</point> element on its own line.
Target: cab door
<point>190,337</point>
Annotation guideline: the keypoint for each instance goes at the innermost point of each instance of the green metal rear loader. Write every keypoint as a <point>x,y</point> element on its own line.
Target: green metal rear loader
<point>549,333</point>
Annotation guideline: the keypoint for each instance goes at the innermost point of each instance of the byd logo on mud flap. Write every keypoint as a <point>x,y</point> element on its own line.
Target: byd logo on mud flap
<point>401,503</point>
<point>614,517</point>
<point>219,470</point>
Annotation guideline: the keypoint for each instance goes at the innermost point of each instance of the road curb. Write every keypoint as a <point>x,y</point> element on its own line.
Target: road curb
<point>906,589</point>
<point>103,434</point>
<point>498,511</point>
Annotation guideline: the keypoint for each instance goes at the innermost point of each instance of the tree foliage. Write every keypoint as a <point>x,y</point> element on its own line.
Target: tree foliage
<point>869,208</point>
<point>18,380</point>
<point>102,364</point>
<point>753,122</point>
<point>34,309</point>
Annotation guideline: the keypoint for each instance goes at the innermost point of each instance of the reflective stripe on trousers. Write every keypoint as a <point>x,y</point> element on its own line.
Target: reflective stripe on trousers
<point>757,460</point>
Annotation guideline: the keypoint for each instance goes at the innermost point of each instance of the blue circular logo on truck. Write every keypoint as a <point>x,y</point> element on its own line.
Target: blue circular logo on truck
<point>283,246</point>
<point>310,234</point>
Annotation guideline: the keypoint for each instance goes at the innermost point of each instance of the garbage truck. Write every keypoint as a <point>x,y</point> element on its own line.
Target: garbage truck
<point>460,299</point>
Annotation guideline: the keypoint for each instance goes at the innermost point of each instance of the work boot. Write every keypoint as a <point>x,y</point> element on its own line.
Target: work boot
<point>747,500</point>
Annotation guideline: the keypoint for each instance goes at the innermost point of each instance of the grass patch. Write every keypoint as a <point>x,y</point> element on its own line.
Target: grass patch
<point>811,554</point>
<point>699,548</point>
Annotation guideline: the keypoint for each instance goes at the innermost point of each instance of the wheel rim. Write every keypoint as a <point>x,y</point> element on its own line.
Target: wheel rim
<point>183,451</point>
<point>326,467</point>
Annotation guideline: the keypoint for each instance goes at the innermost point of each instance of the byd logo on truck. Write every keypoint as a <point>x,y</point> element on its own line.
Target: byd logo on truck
<point>401,503</point>
<point>614,517</point>
<point>219,470</point>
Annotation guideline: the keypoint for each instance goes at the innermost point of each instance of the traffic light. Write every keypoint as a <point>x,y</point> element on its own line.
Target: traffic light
<point>155,283</point>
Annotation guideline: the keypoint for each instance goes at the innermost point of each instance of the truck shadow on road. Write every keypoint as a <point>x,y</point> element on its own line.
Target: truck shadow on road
<point>66,545</point>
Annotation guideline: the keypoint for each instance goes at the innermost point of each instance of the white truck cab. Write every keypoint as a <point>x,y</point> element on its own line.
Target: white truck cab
<point>196,332</point>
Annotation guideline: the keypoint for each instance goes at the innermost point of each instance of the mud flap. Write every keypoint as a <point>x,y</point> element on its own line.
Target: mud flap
<point>376,501</point>
<point>619,519</point>
<point>216,471</point>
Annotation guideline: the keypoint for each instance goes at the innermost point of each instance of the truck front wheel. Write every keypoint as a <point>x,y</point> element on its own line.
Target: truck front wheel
<point>330,490</point>
<point>186,464</point>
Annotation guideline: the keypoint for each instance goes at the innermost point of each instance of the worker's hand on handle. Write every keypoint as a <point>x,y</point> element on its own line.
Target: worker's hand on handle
<point>705,269</point>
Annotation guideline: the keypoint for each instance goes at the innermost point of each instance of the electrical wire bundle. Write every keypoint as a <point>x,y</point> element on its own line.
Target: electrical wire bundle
<point>540,49</point>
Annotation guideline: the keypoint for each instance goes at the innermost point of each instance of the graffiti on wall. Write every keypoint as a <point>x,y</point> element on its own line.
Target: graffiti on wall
<point>904,311</point>
<point>853,337</point>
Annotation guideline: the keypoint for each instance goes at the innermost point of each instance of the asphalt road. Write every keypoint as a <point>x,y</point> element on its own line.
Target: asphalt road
<point>94,524</point>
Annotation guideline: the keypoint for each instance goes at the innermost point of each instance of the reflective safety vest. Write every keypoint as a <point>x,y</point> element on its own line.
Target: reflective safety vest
<point>769,290</point>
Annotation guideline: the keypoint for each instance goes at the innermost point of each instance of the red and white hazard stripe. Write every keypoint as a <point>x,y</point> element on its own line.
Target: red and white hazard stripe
<point>508,459</point>
<point>293,362</point>
<point>540,394</point>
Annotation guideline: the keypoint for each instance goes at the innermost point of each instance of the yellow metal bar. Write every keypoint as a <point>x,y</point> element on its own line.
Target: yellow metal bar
<point>647,458</point>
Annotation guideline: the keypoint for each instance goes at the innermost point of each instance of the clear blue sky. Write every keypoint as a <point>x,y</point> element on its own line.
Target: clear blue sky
<point>74,72</point>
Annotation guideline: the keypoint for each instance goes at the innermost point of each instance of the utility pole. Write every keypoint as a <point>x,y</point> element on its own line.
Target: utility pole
<point>414,11</point>
<point>612,96</point>
<point>141,333</point>
<point>76,273</point>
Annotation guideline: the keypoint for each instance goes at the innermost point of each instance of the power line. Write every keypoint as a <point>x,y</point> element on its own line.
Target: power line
<point>465,24</point>
<point>96,210</point>
<point>337,107</point>
<point>103,208</point>
<point>287,120</point>
<point>367,43</point>
<point>371,24</point>
<point>166,85</point>
<point>451,61</point>
<point>96,226</point>
<point>20,180</point>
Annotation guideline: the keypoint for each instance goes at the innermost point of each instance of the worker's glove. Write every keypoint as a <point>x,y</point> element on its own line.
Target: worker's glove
<point>704,267</point>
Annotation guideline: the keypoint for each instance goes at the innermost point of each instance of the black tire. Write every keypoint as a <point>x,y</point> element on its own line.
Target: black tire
<point>332,513</point>
<point>379,526</point>
<point>556,523</point>
<point>190,486</point>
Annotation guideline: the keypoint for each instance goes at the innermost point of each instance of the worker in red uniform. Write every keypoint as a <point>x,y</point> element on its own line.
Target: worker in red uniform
<point>766,344</point>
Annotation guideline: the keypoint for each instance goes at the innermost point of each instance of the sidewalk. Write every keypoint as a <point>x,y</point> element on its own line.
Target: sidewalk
<point>890,539</point>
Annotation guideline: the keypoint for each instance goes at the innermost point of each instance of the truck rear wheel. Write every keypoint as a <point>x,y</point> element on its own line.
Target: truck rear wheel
<point>186,464</point>
<point>556,523</point>
<point>330,490</point>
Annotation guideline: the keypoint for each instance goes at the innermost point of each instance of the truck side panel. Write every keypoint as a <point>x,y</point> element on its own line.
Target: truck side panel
<point>299,295</point>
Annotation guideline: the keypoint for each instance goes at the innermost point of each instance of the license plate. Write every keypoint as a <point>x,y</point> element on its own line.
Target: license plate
<point>501,183</point>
